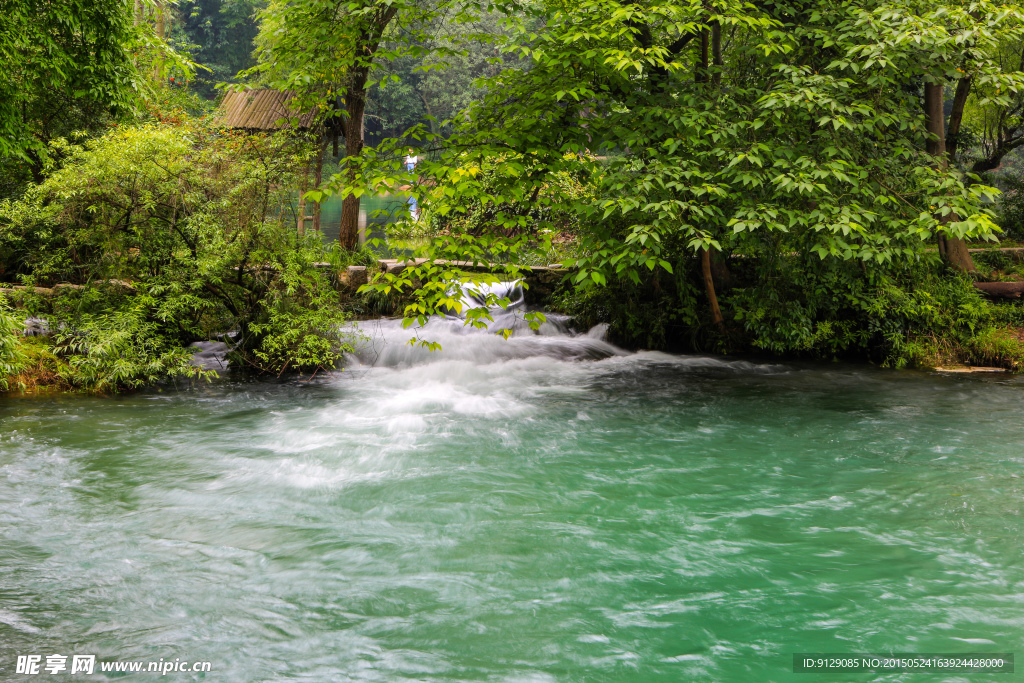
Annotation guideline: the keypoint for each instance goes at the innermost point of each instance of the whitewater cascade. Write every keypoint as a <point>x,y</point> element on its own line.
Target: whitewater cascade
<point>385,343</point>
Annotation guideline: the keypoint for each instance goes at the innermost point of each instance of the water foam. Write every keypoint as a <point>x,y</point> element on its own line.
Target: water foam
<point>386,343</point>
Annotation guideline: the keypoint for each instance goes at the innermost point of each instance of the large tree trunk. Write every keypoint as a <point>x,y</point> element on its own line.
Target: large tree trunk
<point>720,274</point>
<point>956,117</point>
<point>936,122</point>
<point>355,111</point>
<point>958,256</point>
<point>355,108</point>
<point>709,286</point>
<point>716,52</point>
<point>953,249</point>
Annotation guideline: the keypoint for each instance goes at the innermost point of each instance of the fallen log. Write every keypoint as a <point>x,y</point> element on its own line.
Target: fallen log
<point>1015,253</point>
<point>1005,290</point>
<point>41,291</point>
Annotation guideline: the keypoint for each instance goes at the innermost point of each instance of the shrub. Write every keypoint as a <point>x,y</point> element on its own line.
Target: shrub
<point>175,233</point>
<point>121,350</point>
<point>12,358</point>
<point>918,315</point>
<point>1011,206</point>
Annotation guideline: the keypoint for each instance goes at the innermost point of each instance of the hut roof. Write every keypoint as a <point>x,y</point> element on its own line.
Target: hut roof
<point>261,110</point>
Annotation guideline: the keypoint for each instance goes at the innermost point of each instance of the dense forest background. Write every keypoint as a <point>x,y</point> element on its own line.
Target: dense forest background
<point>220,35</point>
<point>418,89</point>
<point>797,178</point>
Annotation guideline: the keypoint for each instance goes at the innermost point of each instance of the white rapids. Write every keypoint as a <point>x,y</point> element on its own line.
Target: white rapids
<point>385,343</point>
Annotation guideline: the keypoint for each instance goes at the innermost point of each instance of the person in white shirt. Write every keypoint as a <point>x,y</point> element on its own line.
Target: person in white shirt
<point>411,159</point>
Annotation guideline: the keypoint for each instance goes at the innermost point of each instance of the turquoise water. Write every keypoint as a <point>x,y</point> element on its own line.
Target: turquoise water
<point>499,514</point>
<point>379,212</point>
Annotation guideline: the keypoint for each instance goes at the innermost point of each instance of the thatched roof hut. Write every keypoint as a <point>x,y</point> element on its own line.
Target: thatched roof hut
<point>262,110</point>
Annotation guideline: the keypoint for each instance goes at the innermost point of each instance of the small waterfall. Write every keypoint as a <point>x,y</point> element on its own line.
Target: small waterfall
<point>386,342</point>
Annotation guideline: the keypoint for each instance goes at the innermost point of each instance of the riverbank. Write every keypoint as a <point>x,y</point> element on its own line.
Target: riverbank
<point>934,320</point>
<point>45,372</point>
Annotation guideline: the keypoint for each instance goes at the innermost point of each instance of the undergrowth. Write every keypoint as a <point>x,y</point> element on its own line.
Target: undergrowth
<point>918,316</point>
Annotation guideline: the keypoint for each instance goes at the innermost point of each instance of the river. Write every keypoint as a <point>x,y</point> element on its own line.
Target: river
<point>545,508</point>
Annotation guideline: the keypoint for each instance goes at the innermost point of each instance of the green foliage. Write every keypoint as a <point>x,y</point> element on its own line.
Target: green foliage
<point>437,285</point>
<point>827,311</point>
<point>995,261</point>
<point>12,358</point>
<point>176,104</point>
<point>1011,206</point>
<point>803,149</point>
<point>914,316</point>
<point>341,258</point>
<point>800,159</point>
<point>121,349</point>
<point>660,312</point>
<point>221,36</point>
<point>301,334</point>
<point>917,316</point>
<point>535,199</point>
<point>321,49</point>
<point>433,88</point>
<point>175,234</point>
<point>73,67</point>
<point>62,61</point>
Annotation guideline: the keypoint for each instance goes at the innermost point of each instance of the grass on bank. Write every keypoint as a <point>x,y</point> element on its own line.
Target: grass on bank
<point>39,369</point>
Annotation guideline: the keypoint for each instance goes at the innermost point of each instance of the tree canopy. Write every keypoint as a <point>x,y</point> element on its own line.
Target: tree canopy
<point>63,61</point>
<point>788,173</point>
<point>730,129</point>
